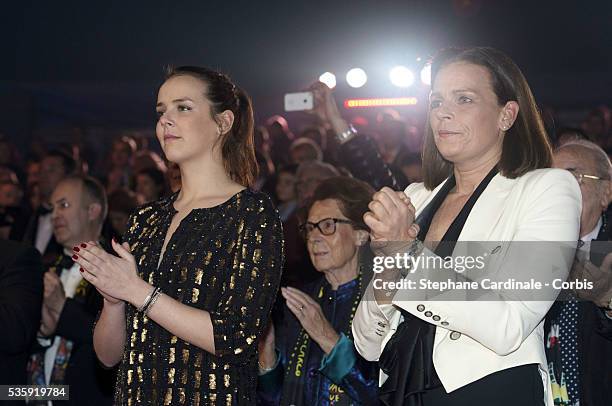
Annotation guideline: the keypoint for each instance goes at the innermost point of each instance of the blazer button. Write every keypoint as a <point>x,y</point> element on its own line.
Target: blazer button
<point>436,318</point>
<point>428,313</point>
<point>455,335</point>
<point>420,307</point>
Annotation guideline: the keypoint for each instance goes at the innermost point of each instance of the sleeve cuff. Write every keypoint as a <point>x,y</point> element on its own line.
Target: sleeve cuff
<point>276,363</point>
<point>386,311</point>
<point>272,380</point>
<point>338,363</point>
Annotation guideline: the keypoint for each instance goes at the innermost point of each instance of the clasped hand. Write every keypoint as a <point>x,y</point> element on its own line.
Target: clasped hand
<point>391,221</point>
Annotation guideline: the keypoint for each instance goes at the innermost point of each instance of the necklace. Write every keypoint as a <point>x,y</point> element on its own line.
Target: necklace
<point>298,356</point>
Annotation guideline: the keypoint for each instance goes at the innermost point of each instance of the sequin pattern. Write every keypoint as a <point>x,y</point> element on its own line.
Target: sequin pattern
<point>226,260</point>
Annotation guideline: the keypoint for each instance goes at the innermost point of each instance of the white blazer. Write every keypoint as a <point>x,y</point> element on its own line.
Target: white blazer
<point>476,338</point>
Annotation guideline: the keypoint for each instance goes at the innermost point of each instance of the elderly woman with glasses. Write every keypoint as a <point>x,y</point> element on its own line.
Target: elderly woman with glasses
<point>307,357</point>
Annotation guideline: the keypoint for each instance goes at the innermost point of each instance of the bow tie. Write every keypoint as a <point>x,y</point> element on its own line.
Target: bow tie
<point>64,262</point>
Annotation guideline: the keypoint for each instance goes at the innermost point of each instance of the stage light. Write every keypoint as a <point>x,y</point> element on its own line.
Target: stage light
<point>329,79</point>
<point>356,77</point>
<point>426,74</point>
<point>401,76</point>
<point>381,102</point>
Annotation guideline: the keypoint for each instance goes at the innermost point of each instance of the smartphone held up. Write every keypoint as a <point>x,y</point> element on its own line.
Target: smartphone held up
<point>301,101</point>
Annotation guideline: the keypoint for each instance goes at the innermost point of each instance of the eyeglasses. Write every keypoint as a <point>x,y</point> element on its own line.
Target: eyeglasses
<point>326,226</point>
<point>581,176</point>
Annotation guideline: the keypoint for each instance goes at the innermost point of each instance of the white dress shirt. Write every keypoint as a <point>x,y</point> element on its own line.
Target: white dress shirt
<point>43,233</point>
<point>70,279</point>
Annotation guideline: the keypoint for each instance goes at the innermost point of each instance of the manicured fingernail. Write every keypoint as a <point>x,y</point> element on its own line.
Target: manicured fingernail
<point>75,257</point>
<point>76,249</point>
<point>81,269</point>
<point>83,245</point>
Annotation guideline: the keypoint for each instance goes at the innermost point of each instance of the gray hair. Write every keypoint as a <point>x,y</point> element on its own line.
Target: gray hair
<point>325,169</point>
<point>593,152</point>
<point>315,150</point>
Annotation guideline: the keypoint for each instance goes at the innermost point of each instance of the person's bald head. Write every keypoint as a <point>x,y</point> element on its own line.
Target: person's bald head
<point>582,157</point>
<point>79,208</point>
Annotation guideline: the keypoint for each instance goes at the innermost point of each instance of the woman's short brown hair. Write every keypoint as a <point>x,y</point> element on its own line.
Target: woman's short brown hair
<point>237,145</point>
<point>526,145</point>
<point>352,195</point>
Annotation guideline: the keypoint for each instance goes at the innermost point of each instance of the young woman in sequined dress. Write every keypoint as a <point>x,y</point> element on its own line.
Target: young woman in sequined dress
<point>189,292</point>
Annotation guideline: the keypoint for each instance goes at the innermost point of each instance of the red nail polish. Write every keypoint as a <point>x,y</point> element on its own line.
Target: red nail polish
<point>76,249</point>
<point>75,257</point>
<point>83,245</point>
<point>81,269</point>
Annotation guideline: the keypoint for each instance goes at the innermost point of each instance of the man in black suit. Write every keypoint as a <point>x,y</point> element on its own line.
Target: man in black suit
<point>70,303</point>
<point>579,342</point>
<point>55,166</point>
<point>21,291</point>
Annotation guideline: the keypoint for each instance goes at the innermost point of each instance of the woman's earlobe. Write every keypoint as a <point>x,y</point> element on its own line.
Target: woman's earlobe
<point>362,237</point>
<point>225,122</point>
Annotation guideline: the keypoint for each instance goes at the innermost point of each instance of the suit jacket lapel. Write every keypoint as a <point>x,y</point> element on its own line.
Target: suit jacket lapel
<point>487,210</point>
<point>420,206</point>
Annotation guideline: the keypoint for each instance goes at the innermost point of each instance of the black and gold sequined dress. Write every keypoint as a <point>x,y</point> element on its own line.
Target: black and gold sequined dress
<point>226,260</point>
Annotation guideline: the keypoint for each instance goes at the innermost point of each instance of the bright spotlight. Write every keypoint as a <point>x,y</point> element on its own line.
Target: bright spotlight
<point>426,74</point>
<point>356,77</point>
<point>329,79</point>
<point>401,76</point>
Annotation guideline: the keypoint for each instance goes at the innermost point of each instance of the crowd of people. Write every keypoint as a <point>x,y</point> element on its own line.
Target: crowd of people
<point>194,279</point>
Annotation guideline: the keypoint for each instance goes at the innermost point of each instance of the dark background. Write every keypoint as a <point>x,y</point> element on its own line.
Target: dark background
<point>95,66</point>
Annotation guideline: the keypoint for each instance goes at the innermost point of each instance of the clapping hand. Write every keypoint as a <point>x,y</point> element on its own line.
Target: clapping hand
<point>54,298</point>
<point>601,277</point>
<point>311,317</point>
<point>113,276</point>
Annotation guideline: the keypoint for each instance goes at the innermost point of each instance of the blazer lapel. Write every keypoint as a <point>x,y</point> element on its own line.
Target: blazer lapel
<point>487,210</point>
<point>420,206</point>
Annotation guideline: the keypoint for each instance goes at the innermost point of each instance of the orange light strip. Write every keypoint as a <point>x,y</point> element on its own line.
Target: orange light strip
<point>383,102</point>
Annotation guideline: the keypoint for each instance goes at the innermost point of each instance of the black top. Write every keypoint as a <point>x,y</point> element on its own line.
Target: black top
<point>226,260</point>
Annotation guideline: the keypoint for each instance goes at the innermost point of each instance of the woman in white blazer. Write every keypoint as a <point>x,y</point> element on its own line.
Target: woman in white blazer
<point>485,160</point>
